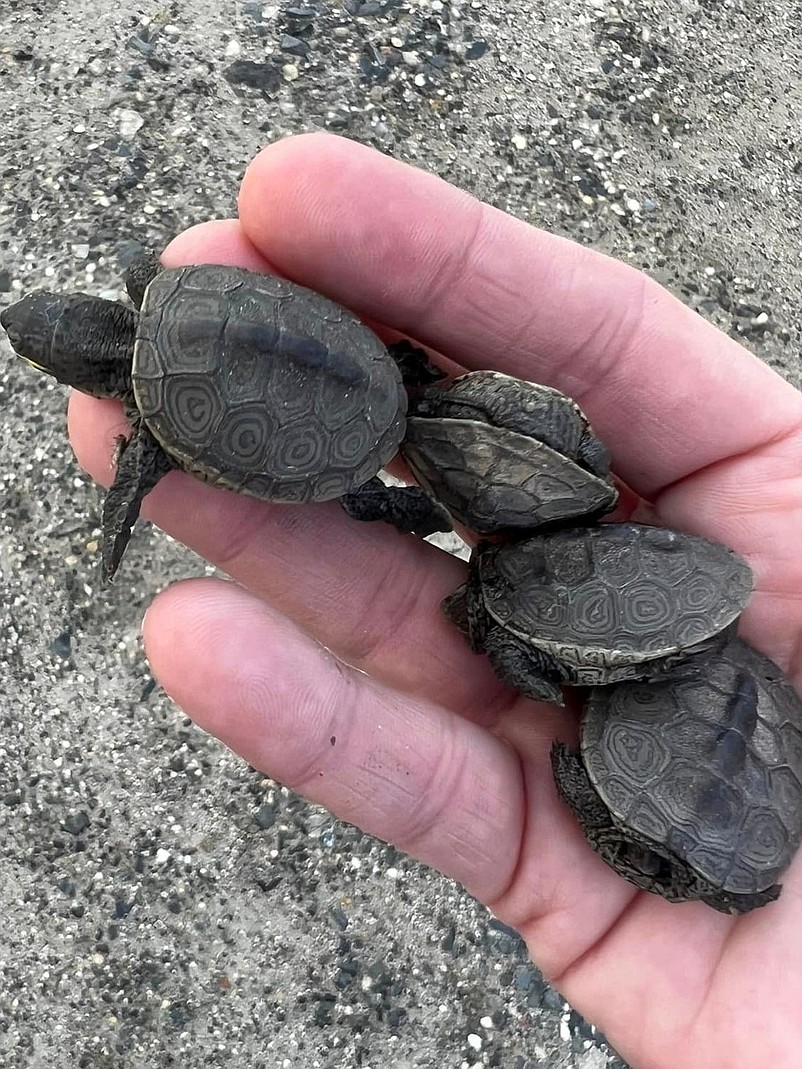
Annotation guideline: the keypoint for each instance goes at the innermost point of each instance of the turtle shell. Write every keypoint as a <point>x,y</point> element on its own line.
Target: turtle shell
<point>706,765</point>
<point>504,454</point>
<point>494,480</point>
<point>252,382</point>
<point>611,602</point>
<point>528,408</point>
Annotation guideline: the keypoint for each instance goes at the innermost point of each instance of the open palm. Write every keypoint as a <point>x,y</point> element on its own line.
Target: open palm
<point>422,746</point>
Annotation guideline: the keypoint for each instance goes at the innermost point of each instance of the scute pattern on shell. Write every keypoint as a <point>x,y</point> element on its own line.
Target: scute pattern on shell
<point>615,594</point>
<point>490,478</point>
<point>254,383</point>
<point>530,409</point>
<point>707,765</point>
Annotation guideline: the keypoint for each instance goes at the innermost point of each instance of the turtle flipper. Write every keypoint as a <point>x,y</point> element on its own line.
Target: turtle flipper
<point>407,508</point>
<point>529,670</point>
<point>415,366</point>
<point>465,607</point>
<point>141,462</point>
<point>139,275</point>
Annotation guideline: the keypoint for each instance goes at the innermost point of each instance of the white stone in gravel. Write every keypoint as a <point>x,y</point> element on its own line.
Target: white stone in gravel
<point>592,1059</point>
<point>130,122</point>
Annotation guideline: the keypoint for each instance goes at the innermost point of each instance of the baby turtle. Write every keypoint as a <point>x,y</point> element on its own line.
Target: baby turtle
<point>591,605</point>
<point>246,380</point>
<point>505,454</point>
<point>692,788</point>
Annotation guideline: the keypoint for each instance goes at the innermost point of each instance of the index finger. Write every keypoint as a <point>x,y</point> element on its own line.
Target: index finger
<point>668,392</point>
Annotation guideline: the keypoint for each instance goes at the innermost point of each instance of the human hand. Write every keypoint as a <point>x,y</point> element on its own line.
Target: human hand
<point>427,749</point>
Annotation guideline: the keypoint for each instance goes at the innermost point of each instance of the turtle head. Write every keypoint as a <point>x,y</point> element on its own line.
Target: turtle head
<point>31,325</point>
<point>80,340</point>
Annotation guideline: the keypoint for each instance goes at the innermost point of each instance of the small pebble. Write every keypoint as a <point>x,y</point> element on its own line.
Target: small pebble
<point>476,50</point>
<point>294,45</point>
<point>61,646</point>
<point>130,122</point>
<point>592,1059</point>
<point>265,817</point>
<point>75,823</point>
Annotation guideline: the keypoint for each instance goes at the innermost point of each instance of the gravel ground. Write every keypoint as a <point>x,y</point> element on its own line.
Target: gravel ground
<point>163,903</point>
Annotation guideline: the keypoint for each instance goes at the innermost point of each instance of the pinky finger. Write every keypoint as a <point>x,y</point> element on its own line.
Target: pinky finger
<point>409,772</point>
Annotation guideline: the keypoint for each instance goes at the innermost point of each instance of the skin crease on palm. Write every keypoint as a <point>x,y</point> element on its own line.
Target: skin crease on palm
<point>430,751</point>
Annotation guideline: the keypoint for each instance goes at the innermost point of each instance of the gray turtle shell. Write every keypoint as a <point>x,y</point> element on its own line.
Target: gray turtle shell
<point>707,765</point>
<point>607,600</point>
<point>503,454</point>
<point>257,384</point>
<point>492,479</point>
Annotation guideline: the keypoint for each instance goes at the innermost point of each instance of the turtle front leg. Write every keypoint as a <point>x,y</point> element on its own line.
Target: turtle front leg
<point>576,790</point>
<point>407,508</point>
<point>464,608</point>
<point>140,274</point>
<point>141,462</point>
<point>529,670</point>
<point>415,366</point>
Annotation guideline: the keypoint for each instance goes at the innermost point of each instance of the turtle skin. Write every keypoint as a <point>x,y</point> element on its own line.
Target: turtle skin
<point>597,605</point>
<point>691,788</point>
<point>504,454</point>
<point>253,383</point>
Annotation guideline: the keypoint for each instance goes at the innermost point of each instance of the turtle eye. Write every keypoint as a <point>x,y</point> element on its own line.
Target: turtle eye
<point>30,325</point>
<point>14,337</point>
<point>7,322</point>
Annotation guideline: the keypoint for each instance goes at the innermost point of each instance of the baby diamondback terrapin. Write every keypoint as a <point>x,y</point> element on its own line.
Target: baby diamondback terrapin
<point>692,787</point>
<point>245,380</point>
<point>592,605</point>
<point>503,454</point>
